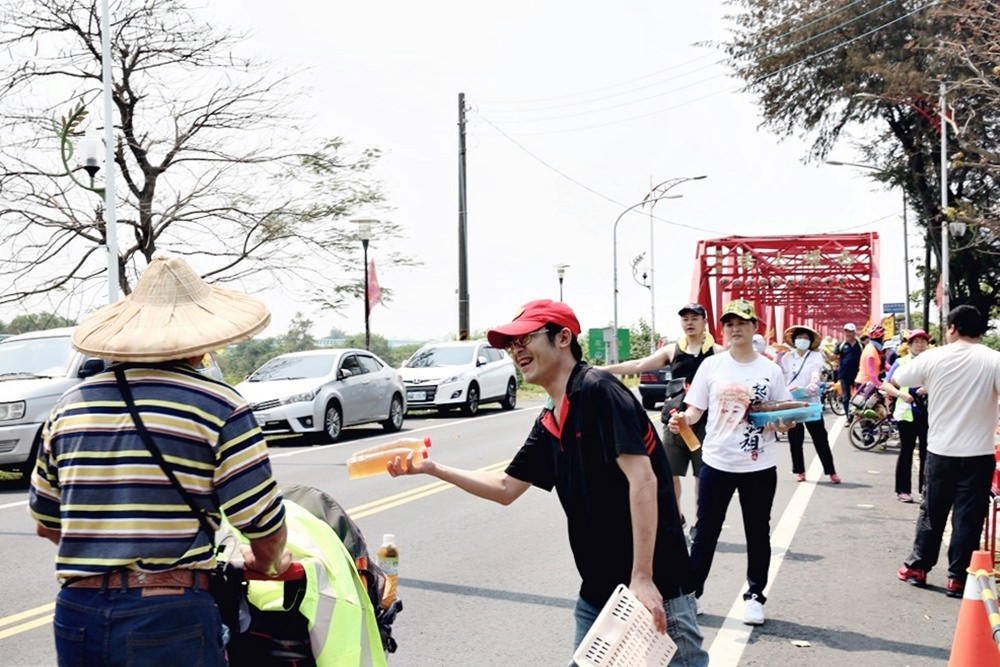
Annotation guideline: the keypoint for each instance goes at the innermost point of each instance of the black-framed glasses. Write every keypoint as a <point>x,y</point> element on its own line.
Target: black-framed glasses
<point>523,340</point>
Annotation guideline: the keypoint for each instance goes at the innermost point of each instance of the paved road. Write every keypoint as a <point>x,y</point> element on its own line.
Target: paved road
<point>491,585</point>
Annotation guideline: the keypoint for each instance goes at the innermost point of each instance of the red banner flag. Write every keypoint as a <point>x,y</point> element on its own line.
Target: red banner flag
<point>374,291</point>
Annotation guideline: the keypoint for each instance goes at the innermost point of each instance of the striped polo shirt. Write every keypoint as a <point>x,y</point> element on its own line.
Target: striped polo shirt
<point>97,483</point>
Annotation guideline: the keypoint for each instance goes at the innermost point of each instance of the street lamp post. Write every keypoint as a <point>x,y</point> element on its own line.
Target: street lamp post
<point>614,250</point>
<point>561,273</point>
<point>91,163</point>
<point>906,240</point>
<point>364,232</point>
<point>659,189</point>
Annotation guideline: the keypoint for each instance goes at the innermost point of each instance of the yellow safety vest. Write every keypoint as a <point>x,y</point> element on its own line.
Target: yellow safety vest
<point>342,627</point>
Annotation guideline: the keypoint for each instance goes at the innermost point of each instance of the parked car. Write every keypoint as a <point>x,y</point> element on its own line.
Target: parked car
<point>653,386</point>
<point>459,374</point>
<point>35,369</point>
<point>322,391</point>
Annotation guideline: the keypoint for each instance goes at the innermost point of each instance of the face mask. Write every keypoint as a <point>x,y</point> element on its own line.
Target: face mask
<point>802,343</point>
<point>758,346</point>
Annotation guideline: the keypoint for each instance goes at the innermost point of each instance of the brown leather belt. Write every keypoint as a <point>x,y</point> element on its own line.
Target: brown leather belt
<point>167,579</point>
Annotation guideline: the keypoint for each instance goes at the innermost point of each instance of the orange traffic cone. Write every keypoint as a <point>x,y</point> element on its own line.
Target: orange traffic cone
<point>973,645</point>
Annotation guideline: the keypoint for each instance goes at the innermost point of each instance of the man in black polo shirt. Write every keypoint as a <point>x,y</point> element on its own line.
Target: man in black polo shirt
<point>594,443</point>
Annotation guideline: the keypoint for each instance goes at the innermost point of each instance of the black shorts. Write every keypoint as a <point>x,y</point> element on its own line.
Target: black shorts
<point>678,454</point>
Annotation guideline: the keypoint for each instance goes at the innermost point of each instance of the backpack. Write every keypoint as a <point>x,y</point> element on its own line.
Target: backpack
<point>866,397</point>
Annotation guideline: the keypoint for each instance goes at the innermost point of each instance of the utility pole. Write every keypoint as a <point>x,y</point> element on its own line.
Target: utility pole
<point>652,290</point>
<point>463,271</point>
<point>945,251</point>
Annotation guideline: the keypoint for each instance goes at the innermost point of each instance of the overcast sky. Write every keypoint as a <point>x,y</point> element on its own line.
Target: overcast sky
<point>575,108</point>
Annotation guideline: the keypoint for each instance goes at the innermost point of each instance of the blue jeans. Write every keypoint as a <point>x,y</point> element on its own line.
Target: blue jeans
<point>715,490</point>
<point>115,627</point>
<point>682,626</point>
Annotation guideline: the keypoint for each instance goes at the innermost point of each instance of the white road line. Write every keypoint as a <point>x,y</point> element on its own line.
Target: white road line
<point>731,640</point>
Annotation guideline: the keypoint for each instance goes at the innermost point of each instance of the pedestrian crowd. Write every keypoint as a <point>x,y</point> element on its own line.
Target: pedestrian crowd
<point>135,564</point>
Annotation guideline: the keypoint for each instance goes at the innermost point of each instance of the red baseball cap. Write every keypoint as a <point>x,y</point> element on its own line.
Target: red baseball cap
<point>917,333</point>
<point>532,316</point>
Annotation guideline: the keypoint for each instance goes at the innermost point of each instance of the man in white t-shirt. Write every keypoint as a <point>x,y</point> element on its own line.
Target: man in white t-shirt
<point>737,456</point>
<point>963,386</point>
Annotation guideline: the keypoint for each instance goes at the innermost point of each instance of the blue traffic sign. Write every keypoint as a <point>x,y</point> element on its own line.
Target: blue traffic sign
<point>893,308</point>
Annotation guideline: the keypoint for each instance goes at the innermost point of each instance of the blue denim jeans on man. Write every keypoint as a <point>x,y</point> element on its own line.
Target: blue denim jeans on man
<point>682,626</point>
<point>112,627</point>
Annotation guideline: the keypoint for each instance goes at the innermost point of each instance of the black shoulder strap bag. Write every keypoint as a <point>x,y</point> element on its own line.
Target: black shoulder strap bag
<point>228,586</point>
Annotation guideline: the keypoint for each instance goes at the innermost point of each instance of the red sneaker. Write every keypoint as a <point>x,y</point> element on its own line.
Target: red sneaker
<point>912,576</point>
<point>954,588</point>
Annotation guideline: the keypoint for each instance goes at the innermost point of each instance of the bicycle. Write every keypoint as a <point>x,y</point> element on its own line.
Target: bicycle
<point>830,397</point>
<point>831,394</point>
<point>870,430</point>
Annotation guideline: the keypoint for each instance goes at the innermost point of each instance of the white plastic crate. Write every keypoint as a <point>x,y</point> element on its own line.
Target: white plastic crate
<point>624,636</point>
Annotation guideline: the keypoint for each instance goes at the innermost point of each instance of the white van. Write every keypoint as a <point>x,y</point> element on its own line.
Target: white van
<point>35,369</point>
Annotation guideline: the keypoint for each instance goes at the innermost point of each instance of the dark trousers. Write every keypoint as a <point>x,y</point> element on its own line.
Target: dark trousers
<point>715,490</point>
<point>960,485</point>
<point>817,431</point>
<point>910,434</point>
<point>846,389</point>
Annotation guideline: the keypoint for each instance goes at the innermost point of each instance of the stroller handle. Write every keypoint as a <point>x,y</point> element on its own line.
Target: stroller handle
<point>295,572</point>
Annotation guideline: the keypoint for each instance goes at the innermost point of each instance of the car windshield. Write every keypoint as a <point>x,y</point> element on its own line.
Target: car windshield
<point>440,356</point>
<point>36,356</point>
<point>294,368</point>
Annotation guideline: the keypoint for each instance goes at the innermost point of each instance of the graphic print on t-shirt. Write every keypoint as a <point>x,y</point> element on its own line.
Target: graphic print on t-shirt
<point>733,402</point>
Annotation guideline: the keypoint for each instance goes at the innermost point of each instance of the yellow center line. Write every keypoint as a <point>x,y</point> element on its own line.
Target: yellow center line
<point>397,499</point>
<point>359,512</point>
<point>45,609</point>
<point>14,618</point>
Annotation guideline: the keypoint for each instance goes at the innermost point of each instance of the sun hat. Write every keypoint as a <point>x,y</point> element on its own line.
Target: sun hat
<point>740,308</point>
<point>794,330</point>
<point>850,327</point>
<point>917,333</point>
<point>532,316</point>
<point>695,308</point>
<point>171,314</point>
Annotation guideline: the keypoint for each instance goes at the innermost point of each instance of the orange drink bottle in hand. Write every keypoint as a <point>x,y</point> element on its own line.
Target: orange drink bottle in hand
<point>373,460</point>
<point>684,430</point>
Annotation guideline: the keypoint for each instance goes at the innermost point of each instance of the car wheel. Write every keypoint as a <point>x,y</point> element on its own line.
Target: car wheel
<point>471,405</point>
<point>395,420</point>
<point>649,402</point>
<point>333,422</point>
<point>509,401</point>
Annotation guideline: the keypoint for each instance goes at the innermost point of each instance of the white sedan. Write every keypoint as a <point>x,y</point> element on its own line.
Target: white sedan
<point>322,391</point>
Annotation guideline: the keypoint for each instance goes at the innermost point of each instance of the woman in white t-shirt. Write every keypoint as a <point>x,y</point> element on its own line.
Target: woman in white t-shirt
<point>803,369</point>
<point>737,456</point>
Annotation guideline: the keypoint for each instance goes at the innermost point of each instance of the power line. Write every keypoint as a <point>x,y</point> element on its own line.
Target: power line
<point>682,75</point>
<point>583,185</point>
<point>718,92</point>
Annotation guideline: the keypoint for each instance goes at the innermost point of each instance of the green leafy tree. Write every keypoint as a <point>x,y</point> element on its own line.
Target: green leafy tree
<point>298,338</point>
<point>818,68</point>
<point>213,162</point>
<point>36,322</point>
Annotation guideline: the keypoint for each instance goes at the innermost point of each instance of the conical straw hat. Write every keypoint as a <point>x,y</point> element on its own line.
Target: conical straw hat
<point>171,314</point>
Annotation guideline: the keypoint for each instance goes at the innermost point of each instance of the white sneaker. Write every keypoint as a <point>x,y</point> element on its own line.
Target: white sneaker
<point>698,609</point>
<point>753,612</point>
